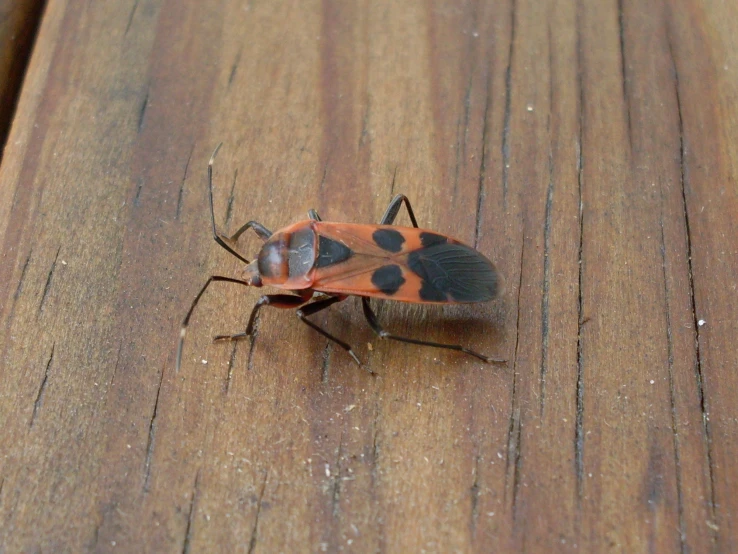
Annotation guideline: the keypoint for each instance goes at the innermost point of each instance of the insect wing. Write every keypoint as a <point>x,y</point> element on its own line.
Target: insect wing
<point>401,263</point>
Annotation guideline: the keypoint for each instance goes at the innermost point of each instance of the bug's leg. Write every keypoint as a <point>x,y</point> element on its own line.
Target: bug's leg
<point>312,214</point>
<point>317,306</point>
<point>393,209</point>
<point>371,318</point>
<point>286,301</point>
<point>186,321</point>
<point>260,230</point>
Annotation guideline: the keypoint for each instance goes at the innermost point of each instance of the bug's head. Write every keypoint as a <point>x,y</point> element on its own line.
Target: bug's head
<point>272,264</point>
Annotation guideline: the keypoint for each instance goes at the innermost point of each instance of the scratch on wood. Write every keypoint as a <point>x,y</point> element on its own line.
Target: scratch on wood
<point>336,488</point>
<point>672,393</point>
<point>234,67</point>
<point>517,307</point>
<point>547,229</point>
<point>142,109</point>
<point>551,78</point>
<point>474,493</point>
<point>508,100</point>
<point>698,370</point>
<point>375,446</point>
<point>325,175</point>
<point>470,54</point>
<point>482,166</point>
<point>231,362</point>
<point>512,461</point>
<point>115,368</point>
<point>130,17</point>
<point>325,370</point>
<point>392,185</point>
<point>96,534</point>
<point>546,279</point>
<point>252,342</point>
<point>229,209</point>
<point>623,71</point>
<point>48,283</point>
<point>467,111</point>
<point>19,288</point>
<point>152,435</point>
<point>191,514</point>
<point>457,156</point>
<point>255,529</point>
<point>514,429</point>
<point>139,188</point>
<point>14,201</point>
<point>42,388</point>
<point>579,432</point>
<point>375,473</point>
<point>365,134</point>
<point>182,184</point>
<point>579,427</point>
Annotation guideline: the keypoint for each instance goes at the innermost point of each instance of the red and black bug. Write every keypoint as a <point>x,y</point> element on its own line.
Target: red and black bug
<point>338,260</point>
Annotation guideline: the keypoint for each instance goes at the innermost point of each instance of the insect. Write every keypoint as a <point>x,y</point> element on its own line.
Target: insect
<point>406,264</point>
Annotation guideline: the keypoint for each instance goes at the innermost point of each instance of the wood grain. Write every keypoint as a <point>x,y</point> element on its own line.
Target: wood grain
<point>588,148</point>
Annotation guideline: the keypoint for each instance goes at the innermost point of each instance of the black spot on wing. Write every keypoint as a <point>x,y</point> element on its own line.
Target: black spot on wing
<point>331,252</point>
<point>429,239</point>
<point>388,279</point>
<point>388,239</point>
<point>455,273</point>
<point>429,293</point>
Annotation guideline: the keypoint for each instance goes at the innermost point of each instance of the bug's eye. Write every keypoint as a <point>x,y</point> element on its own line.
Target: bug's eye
<point>273,259</point>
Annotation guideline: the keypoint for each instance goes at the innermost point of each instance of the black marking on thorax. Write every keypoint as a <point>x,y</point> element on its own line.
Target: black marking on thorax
<point>388,279</point>
<point>331,252</point>
<point>388,239</point>
<point>301,252</point>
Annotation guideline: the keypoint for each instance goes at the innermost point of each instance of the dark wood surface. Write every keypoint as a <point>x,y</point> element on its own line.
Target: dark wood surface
<point>587,148</point>
<point>19,20</point>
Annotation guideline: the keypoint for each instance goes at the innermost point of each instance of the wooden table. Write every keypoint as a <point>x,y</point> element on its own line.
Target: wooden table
<point>590,149</point>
